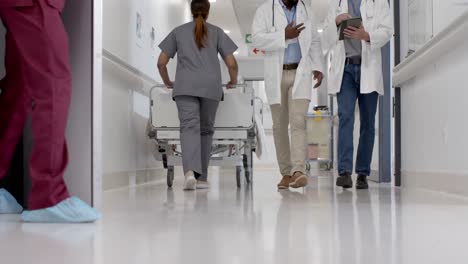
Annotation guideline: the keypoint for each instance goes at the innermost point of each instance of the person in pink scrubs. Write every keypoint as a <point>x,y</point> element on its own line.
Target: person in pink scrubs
<point>38,84</point>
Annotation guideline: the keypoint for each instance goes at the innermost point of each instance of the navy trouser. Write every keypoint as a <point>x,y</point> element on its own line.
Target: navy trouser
<point>349,94</point>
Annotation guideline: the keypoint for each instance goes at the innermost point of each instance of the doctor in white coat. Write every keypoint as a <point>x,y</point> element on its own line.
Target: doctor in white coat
<point>356,75</point>
<point>286,31</point>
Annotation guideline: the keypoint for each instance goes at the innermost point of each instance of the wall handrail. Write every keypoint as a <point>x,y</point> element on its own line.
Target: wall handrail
<point>440,44</point>
<point>116,60</point>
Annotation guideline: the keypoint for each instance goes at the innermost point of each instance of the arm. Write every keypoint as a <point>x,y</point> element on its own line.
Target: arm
<point>262,38</point>
<point>329,36</point>
<point>315,51</point>
<point>378,37</point>
<point>233,68</point>
<point>162,66</point>
<point>331,25</point>
<point>384,32</point>
<point>316,56</point>
<point>226,48</point>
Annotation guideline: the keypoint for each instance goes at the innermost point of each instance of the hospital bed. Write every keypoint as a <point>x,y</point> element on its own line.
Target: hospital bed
<point>236,130</point>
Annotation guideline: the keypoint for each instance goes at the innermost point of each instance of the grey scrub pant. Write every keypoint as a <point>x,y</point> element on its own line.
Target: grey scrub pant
<point>197,117</point>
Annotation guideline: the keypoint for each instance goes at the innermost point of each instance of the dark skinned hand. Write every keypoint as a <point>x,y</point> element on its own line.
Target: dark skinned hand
<point>292,31</point>
<point>318,76</point>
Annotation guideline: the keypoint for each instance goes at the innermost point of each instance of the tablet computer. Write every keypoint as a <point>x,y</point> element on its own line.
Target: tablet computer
<point>353,22</point>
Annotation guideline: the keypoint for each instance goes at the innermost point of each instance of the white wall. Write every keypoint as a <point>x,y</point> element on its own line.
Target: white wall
<point>434,126</point>
<point>126,149</point>
<point>78,20</point>
<point>120,36</point>
<point>446,11</point>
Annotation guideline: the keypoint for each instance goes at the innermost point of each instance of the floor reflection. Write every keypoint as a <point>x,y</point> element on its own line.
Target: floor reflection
<point>319,224</point>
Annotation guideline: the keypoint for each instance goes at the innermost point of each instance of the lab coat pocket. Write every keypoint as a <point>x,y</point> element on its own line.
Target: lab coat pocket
<point>57,4</point>
<point>372,58</point>
<point>370,9</point>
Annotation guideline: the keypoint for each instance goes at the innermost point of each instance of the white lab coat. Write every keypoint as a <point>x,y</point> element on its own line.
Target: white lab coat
<point>378,22</point>
<point>273,41</point>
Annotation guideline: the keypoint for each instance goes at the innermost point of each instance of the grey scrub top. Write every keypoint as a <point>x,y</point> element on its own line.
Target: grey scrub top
<point>198,71</point>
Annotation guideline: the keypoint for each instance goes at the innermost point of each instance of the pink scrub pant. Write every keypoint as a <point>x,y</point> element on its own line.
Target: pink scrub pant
<point>37,84</point>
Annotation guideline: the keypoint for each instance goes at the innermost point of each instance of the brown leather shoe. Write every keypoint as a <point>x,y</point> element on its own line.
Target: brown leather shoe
<point>298,180</point>
<point>284,183</point>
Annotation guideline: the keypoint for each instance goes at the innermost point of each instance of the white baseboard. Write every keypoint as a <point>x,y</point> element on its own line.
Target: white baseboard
<point>118,180</point>
<point>446,182</point>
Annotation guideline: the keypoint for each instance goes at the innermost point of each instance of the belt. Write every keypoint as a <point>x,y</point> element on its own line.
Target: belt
<point>353,61</point>
<point>290,67</point>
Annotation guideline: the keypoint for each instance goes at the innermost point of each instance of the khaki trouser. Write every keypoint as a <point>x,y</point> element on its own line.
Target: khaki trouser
<point>291,154</point>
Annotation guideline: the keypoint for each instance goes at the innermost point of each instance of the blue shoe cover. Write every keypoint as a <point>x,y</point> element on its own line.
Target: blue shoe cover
<point>8,203</point>
<point>71,210</point>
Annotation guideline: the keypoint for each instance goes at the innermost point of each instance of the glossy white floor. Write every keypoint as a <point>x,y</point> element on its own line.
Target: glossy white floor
<point>320,224</point>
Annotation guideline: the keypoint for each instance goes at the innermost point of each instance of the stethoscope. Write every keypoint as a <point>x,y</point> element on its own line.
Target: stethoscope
<point>273,10</point>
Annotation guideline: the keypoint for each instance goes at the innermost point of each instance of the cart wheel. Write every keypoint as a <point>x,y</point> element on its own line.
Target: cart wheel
<point>238,176</point>
<point>249,170</point>
<point>248,166</point>
<point>164,160</point>
<point>170,176</point>
<point>248,177</point>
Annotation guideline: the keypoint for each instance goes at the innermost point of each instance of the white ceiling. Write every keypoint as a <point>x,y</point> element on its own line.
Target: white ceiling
<point>222,15</point>
<point>245,11</point>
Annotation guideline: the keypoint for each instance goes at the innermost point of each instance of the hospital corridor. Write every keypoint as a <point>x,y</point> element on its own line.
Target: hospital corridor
<point>233,131</point>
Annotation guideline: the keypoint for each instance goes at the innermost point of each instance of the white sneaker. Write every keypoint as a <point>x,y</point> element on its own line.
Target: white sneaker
<point>203,185</point>
<point>190,183</point>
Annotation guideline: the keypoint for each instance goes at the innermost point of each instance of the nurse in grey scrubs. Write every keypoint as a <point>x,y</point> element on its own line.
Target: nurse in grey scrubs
<point>197,87</point>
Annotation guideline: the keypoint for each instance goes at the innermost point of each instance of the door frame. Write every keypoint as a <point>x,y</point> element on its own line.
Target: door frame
<point>397,97</point>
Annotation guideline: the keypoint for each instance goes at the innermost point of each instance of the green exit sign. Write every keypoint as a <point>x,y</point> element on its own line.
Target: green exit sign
<point>248,38</point>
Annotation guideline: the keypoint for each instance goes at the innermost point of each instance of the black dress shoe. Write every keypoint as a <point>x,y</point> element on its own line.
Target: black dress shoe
<point>361,183</point>
<point>344,181</point>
